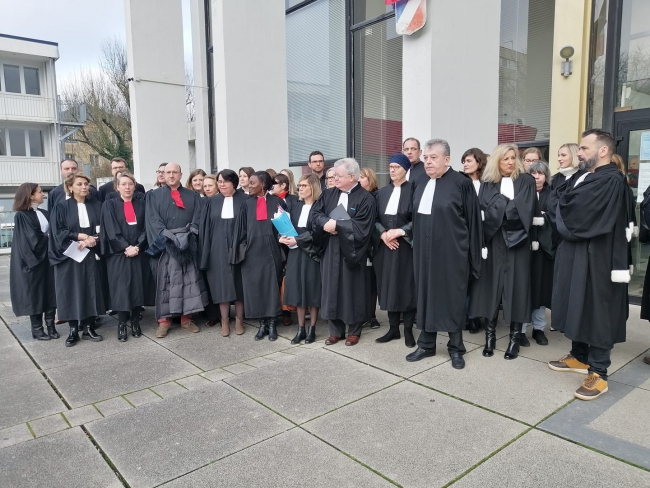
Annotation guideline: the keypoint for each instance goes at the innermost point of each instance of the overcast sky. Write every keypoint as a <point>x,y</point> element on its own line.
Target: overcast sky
<point>79,26</point>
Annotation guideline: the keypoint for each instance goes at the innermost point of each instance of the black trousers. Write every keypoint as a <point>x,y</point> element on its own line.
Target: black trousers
<point>337,328</point>
<point>427,340</point>
<point>409,319</point>
<point>597,358</point>
<point>125,316</point>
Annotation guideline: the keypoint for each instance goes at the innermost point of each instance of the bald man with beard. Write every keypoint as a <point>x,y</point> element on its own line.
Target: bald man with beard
<point>173,215</point>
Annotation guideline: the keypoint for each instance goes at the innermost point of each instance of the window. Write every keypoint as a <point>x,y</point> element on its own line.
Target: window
<point>597,64</point>
<point>69,156</point>
<point>32,84</point>
<point>17,142</point>
<point>12,78</point>
<point>3,143</point>
<point>94,159</point>
<point>36,143</point>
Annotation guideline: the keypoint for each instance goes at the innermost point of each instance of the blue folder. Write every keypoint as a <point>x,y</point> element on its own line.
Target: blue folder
<point>284,226</point>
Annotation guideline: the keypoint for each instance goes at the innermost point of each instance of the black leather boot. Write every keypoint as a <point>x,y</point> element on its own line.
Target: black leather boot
<point>73,338</point>
<point>474,325</point>
<point>89,333</point>
<point>300,336</point>
<point>490,337</point>
<point>409,340</point>
<point>273,329</point>
<point>122,336</point>
<point>50,315</point>
<point>513,347</point>
<point>37,328</point>
<point>393,332</point>
<point>311,334</point>
<point>135,325</point>
<point>263,330</point>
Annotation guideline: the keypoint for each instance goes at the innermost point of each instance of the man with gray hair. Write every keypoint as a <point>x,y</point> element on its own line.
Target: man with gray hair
<point>342,222</point>
<point>447,241</point>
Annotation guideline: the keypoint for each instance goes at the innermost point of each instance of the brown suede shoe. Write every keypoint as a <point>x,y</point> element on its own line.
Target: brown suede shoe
<point>332,340</point>
<point>592,387</point>
<point>569,363</point>
<point>225,327</point>
<point>239,326</point>
<point>190,326</point>
<point>161,331</point>
<point>353,340</point>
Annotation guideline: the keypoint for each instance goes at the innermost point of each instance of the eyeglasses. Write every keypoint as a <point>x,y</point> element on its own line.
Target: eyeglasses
<point>330,177</point>
<point>159,172</point>
<point>303,185</point>
<point>340,176</point>
<point>530,160</point>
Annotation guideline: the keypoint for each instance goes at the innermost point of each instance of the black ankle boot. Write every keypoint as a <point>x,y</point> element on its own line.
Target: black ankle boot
<point>300,335</point>
<point>263,330</point>
<point>513,347</point>
<point>490,337</point>
<point>121,332</point>
<point>37,328</point>
<point>474,325</point>
<point>393,333</point>
<point>135,326</point>
<point>49,322</point>
<point>409,340</point>
<point>90,334</point>
<point>273,330</point>
<point>73,338</point>
<point>311,334</point>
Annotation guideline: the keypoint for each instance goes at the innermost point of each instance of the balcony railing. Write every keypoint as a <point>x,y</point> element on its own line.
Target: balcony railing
<point>28,108</point>
<point>15,172</point>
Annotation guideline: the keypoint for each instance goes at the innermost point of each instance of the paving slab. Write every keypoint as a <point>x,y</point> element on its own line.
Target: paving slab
<point>82,415</point>
<point>216,374</point>
<point>142,397</point>
<point>523,389</point>
<point>193,382</point>
<point>309,386</point>
<point>149,327</point>
<point>113,406</point>
<point>169,389</point>
<point>15,435</point>
<point>26,397</point>
<point>298,460</point>
<point>164,440</point>
<point>280,356</point>
<point>14,361</point>
<point>38,463</point>
<point>635,373</point>
<point>48,425</point>
<point>214,351</point>
<point>6,337</point>
<point>427,441</point>
<point>119,374</point>
<point>262,362</point>
<point>534,459</point>
<point>239,368</point>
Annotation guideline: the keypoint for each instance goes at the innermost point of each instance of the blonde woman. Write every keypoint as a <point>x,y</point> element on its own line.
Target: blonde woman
<point>368,180</point>
<point>567,158</point>
<point>508,201</point>
<point>531,155</point>
<point>195,181</point>
<point>210,186</point>
<point>293,190</point>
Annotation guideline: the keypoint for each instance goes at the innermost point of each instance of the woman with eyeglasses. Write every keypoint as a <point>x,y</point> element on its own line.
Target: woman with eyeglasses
<point>303,279</point>
<point>160,176</point>
<point>329,178</point>
<point>531,155</point>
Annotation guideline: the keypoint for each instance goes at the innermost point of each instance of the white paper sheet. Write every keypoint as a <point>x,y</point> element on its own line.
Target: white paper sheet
<point>73,253</point>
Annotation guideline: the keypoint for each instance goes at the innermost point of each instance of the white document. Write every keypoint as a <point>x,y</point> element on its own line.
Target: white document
<point>73,253</point>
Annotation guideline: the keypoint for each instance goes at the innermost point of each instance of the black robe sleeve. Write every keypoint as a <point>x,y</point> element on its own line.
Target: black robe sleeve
<point>521,210</point>
<point>111,235</point>
<point>238,250</point>
<point>60,234</point>
<point>155,224</point>
<point>472,214</point>
<point>30,247</point>
<point>354,234</point>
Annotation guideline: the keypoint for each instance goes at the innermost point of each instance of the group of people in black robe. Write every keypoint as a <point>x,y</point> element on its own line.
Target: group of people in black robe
<point>441,249</point>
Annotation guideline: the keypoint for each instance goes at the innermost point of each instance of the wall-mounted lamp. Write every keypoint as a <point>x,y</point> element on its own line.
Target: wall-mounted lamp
<point>567,65</point>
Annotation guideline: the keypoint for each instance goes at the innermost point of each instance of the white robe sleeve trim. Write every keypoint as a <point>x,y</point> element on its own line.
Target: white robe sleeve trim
<point>620,276</point>
<point>535,245</point>
<point>629,231</point>
<point>539,221</point>
<point>484,252</point>
<point>482,215</point>
<point>631,269</point>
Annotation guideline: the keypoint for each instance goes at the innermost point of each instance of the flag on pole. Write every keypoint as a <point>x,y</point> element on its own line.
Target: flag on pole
<point>410,15</point>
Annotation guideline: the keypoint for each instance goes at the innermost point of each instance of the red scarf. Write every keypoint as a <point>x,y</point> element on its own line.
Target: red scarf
<point>282,194</point>
<point>129,213</point>
<point>261,213</point>
<point>176,196</point>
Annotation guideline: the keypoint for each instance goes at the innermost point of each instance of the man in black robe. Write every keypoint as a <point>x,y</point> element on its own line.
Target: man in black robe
<point>56,195</point>
<point>344,235</point>
<point>317,166</point>
<point>173,216</point>
<point>590,301</point>
<point>411,149</point>
<point>118,165</point>
<point>447,241</point>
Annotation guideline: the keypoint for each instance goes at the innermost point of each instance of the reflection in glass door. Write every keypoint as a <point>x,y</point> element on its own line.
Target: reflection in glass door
<point>633,82</point>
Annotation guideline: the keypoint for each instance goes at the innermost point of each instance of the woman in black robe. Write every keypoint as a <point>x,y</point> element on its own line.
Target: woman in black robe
<point>81,288</point>
<point>393,244</point>
<point>31,279</point>
<point>369,182</point>
<point>216,238</point>
<point>257,249</point>
<point>123,241</point>
<point>508,201</point>
<point>302,288</point>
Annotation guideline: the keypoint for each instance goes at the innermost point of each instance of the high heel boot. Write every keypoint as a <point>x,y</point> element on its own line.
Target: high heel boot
<point>409,319</point>
<point>273,328</point>
<point>135,325</point>
<point>37,327</point>
<point>300,335</point>
<point>263,330</point>
<point>393,331</point>
<point>50,315</point>
<point>121,332</point>
<point>311,334</point>
<point>73,338</point>
<point>89,333</point>
<point>490,337</point>
<point>513,347</point>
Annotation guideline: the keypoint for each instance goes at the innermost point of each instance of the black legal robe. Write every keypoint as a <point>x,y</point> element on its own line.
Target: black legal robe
<point>446,251</point>
<point>394,269</point>
<point>81,288</point>
<point>125,275</point>
<point>31,279</point>
<point>590,301</point>
<point>542,260</point>
<point>57,195</point>
<point>505,274</point>
<point>302,285</point>
<point>644,237</point>
<point>256,248</point>
<point>107,190</point>
<point>344,255</point>
<point>216,239</point>
<point>416,172</point>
